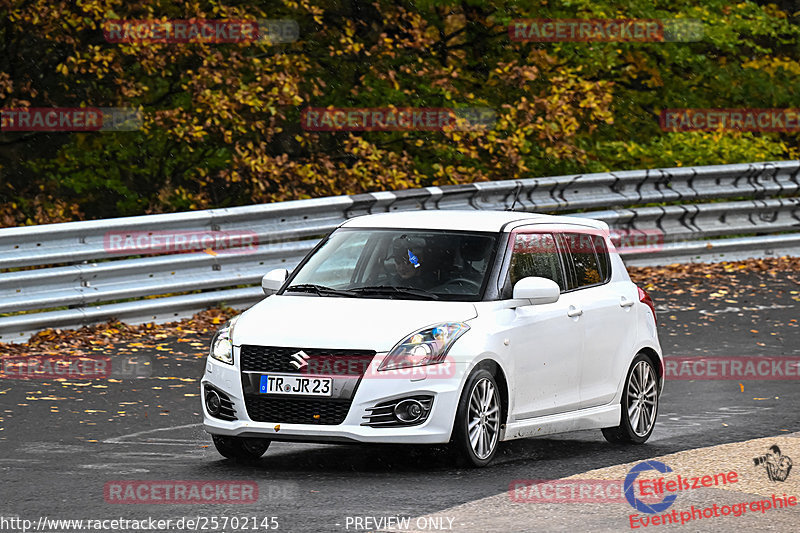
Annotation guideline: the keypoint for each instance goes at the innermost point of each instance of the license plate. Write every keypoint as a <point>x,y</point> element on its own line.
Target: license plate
<point>296,385</point>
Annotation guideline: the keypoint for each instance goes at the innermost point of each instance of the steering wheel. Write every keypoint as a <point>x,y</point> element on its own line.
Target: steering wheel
<point>461,282</point>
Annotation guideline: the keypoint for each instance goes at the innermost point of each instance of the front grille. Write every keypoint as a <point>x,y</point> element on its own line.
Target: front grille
<point>279,359</point>
<point>296,411</point>
<point>336,363</point>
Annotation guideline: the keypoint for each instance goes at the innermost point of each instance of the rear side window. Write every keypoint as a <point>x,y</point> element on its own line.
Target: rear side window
<point>535,254</point>
<point>603,259</point>
<point>589,259</point>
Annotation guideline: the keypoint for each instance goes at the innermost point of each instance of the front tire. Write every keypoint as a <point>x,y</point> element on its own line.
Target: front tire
<point>240,449</point>
<point>476,432</point>
<point>639,404</point>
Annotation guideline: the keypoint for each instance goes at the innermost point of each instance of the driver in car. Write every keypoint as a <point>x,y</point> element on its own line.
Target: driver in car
<point>424,265</point>
<point>408,262</point>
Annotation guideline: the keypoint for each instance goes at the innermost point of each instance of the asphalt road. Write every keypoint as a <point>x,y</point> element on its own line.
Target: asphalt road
<point>60,443</point>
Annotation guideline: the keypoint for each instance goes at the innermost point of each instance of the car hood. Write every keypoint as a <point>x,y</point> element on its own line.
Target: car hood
<point>346,323</point>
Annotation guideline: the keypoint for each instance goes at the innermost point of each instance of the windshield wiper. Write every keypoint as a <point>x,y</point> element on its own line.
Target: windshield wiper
<point>319,290</point>
<point>401,291</point>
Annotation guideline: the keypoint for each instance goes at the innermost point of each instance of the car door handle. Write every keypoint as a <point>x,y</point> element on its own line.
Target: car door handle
<point>574,311</point>
<point>624,302</point>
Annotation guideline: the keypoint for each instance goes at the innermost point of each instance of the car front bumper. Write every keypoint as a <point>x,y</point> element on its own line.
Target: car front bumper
<point>371,390</point>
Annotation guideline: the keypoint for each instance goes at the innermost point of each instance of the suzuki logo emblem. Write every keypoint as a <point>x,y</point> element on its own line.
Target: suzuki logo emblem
<point>299,359</point>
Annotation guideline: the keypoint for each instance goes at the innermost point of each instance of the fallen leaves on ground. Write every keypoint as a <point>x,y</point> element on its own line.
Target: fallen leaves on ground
<point>136,338</point>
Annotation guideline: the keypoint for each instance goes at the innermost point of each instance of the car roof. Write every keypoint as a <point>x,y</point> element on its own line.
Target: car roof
<point>467,220</point>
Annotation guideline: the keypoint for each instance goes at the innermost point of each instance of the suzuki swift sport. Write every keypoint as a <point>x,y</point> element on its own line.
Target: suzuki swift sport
<point>433,327</point>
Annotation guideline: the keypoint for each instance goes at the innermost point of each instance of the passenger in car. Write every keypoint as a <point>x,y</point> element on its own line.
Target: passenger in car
<point>473,250</point>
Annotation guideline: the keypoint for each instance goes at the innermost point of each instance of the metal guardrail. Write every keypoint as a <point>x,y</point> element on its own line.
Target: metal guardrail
<point>81,275</point>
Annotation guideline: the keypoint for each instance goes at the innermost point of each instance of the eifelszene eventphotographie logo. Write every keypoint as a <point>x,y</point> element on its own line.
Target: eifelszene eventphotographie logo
<point>630,494</point>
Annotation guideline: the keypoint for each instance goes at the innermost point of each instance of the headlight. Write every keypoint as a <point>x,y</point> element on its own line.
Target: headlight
<point>222,343</point>
<point>427,346</point>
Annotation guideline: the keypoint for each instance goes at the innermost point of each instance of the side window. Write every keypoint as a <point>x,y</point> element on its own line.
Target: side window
<point>585,266</point>
<point>603,258</point>
<point>535,254</point>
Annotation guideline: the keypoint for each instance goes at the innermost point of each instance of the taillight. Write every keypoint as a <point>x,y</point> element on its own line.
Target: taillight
<point>645,299</point>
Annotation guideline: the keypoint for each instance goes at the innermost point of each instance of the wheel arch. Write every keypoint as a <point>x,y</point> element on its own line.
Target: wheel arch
<point>494,368</point>
<point>654,358</point>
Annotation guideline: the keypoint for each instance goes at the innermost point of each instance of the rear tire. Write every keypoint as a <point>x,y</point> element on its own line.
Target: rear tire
<point>639,404</point>
<point>476,432</point>
<point>240,449</point>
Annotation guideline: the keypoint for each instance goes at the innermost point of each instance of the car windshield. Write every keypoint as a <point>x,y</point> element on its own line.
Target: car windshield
<point>400,264</point>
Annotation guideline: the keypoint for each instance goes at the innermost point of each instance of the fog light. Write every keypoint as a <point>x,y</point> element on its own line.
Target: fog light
<point>408,411</point>
<point>213,402</point>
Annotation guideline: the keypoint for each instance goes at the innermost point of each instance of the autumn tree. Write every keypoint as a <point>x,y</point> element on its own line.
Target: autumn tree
<point>221,121</point>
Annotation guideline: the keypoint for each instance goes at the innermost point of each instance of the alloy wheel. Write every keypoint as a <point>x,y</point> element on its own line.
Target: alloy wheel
<point>642,398</point>
<point>484,418</point>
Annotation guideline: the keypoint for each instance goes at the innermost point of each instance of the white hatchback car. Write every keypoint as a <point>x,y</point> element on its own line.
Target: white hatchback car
<point>460,327</point>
